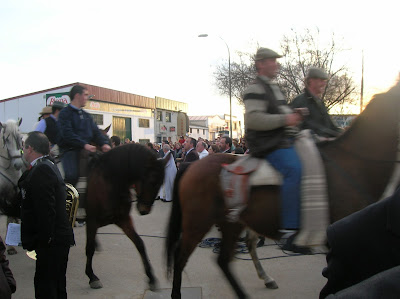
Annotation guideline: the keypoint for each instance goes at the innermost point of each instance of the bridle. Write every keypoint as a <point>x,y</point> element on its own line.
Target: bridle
<point>10,157</point>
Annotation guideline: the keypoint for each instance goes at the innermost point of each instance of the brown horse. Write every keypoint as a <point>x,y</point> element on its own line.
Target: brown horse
<point>358,166</point>
<point>109,200</point>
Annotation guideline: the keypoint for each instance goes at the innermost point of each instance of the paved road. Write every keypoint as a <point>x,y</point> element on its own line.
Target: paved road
<point>119,267</point>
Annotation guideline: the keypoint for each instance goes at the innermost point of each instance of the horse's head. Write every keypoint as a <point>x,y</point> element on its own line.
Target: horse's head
<point>11,144</point>
<point>148,188</point>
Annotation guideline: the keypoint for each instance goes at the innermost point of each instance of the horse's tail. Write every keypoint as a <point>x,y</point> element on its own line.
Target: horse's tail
<point>175,224</point>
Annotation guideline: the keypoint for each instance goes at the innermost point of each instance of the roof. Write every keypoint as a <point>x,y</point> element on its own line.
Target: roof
<point>198,117</point>
<point>105,95</point>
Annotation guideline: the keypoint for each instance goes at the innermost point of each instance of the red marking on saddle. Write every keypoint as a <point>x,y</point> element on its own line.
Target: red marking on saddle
<point>238,169</point>
<point>229,192</point>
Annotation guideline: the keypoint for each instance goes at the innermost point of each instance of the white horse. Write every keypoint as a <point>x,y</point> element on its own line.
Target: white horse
<point>11,165</point>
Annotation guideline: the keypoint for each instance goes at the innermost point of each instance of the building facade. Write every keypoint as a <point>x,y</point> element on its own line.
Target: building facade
<point>130,116</point>
<point>170,119</point>
<point>217,125</point>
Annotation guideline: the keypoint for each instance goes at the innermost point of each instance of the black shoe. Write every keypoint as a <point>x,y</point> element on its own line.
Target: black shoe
<point>289,246</point>
<point>261,242</point>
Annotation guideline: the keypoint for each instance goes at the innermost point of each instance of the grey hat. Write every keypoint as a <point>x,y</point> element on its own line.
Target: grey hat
<point>59,105</point>
<point>318,73</point>
<point>265,53</point>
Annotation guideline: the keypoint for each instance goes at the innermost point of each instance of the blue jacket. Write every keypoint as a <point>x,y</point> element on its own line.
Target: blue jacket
<point>77,128</point>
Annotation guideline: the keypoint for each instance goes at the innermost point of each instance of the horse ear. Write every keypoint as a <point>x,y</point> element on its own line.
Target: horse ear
<point>107,129</point>
<point>19,121</point>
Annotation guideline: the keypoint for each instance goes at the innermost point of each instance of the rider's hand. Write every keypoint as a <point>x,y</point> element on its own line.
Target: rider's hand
<point>105,148</point>
<point>293,119</point>
<point>90,148</point>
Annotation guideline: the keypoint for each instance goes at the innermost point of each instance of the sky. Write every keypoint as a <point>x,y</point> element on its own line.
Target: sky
<point>152,48</point>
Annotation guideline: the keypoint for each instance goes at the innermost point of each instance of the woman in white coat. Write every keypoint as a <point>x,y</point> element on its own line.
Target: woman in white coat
<point>170,173</point>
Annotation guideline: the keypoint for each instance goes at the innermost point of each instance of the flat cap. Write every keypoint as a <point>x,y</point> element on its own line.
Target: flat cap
<point>318,73</point>
<point>265,53</point>
<point>59,105</point>
<point>46,110</point>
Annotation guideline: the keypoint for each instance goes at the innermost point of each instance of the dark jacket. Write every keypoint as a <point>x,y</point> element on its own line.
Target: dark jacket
<point>44,220</point>
<point>363,244</point>
<point>7,281</point>
<point>191,156</point>
<point>262,143</point>
<point>318,120</point>
<point>51,129</point>
<point>77,128</point>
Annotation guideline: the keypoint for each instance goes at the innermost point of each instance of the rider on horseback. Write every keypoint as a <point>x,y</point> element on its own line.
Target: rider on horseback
<point>271,126</point>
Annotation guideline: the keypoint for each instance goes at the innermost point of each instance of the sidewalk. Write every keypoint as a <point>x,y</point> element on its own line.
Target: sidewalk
<point>119,266</point>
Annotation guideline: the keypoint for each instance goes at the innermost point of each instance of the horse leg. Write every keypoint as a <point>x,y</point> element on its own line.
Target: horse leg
<point>192,234</point>
<point>127,227</point>
<point>251,245</point>
<point>91,230</point>
<point>230,234</point>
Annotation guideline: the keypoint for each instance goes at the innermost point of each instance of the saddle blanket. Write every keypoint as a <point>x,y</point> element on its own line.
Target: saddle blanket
<point>238,178</point>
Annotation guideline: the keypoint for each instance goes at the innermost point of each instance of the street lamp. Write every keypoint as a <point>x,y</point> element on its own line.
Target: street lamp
<point>230,81</point>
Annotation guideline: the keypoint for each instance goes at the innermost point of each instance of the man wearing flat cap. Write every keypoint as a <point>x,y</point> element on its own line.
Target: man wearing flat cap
<point>318,119</point>
<point>270,129</point>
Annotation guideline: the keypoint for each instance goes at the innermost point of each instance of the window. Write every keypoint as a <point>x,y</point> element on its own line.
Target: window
<point>198,131</point>
<point>159,115</point>
<point>235,126</point>
<point>98,119</point>
<point>144,123</point>
<point>122,127</point>
<point>204,132</point>
<point>168,117</point>
<point>190,130</point>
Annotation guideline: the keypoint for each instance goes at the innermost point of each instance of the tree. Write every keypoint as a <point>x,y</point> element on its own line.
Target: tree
<point>301,51</point>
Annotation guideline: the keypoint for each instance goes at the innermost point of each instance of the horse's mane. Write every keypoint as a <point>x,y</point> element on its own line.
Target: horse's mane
<point>126,162</point>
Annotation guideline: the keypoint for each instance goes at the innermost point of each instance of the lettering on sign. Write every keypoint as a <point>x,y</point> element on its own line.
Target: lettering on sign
<point>51,99</point>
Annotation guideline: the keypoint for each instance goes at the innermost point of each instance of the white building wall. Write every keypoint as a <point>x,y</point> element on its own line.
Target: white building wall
<point>29,107</point>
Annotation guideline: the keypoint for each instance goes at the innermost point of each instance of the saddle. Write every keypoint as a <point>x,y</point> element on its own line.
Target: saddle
<point>238,178</point>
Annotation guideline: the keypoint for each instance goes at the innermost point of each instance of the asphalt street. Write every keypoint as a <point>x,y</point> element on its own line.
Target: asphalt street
<point>119,267</point>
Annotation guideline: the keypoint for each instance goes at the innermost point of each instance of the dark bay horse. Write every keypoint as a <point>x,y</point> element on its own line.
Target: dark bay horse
<point>358,166</point>
<point>109,200</point>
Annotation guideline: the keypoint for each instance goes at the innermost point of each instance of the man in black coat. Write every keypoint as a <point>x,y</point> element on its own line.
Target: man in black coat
<point>44,222</point>
<point>225,145</point>
<point>362,245</point>
<point>318,119</point>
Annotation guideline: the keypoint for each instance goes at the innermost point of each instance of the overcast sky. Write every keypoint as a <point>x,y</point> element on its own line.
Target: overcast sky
<point>151,48</point>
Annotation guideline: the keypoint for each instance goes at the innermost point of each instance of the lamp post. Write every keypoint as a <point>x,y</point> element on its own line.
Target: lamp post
<point>230,82</point>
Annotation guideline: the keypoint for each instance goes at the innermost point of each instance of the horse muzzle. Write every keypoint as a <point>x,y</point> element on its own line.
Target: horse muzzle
<point>143,208</point>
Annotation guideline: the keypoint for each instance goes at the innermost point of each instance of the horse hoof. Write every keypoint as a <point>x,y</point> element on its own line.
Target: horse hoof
<point>12,251</point>
<point>153,286</point>
<point>96,284</point>
<point>271,285</point>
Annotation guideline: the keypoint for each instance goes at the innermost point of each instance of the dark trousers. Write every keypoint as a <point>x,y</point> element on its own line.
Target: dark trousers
<point>50,276</point>
<point>70,163</point>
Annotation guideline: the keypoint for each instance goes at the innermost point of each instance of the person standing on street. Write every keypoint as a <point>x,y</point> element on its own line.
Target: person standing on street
<point>44,222</point>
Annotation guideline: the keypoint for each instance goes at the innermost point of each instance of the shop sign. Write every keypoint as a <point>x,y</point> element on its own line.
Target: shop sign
<point>163,128</point>
<point>60,97</point>
<point>172,129</point>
